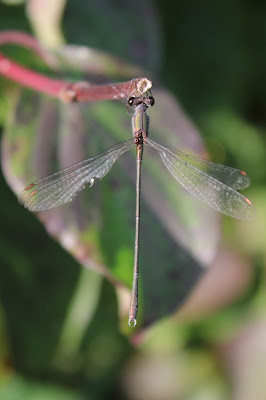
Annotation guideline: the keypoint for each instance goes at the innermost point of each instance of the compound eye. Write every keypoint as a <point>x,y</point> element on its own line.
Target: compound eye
<point>152,101</point>
<point>131,101</point>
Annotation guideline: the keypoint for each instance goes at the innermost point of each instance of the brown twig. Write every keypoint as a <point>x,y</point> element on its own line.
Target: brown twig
<point>65,91</point>
<point>83,91</point>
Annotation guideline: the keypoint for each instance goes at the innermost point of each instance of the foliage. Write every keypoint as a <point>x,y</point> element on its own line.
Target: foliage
<point>61,332</point>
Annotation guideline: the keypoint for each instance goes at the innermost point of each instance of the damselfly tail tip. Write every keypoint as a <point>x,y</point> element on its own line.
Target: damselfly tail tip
<point>132,322</point>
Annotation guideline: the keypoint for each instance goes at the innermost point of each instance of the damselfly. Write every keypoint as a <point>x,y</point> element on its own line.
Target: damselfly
<point>214,184</point>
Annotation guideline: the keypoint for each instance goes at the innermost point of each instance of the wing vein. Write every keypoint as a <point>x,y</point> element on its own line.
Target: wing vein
<point>206,188</point>
<point>62,186</point>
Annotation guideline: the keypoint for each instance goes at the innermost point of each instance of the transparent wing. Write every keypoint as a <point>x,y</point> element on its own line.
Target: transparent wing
<point>62,186</point>
<point>211,183</point>
<point>235,178</point>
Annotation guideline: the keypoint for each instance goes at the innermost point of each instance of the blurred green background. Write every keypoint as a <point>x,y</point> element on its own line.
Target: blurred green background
<point>62,331</point>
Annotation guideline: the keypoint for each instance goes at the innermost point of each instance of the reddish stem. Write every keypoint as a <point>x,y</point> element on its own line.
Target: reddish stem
<point>29,78</point>
<point>81,91</point>
<point>25,40</point>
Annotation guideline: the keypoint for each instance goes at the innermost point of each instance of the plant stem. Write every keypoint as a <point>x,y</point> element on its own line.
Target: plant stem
<point>65,91</point>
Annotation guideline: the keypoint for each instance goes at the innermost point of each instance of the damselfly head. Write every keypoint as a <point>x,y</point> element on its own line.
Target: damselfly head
<point>148,101</point>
